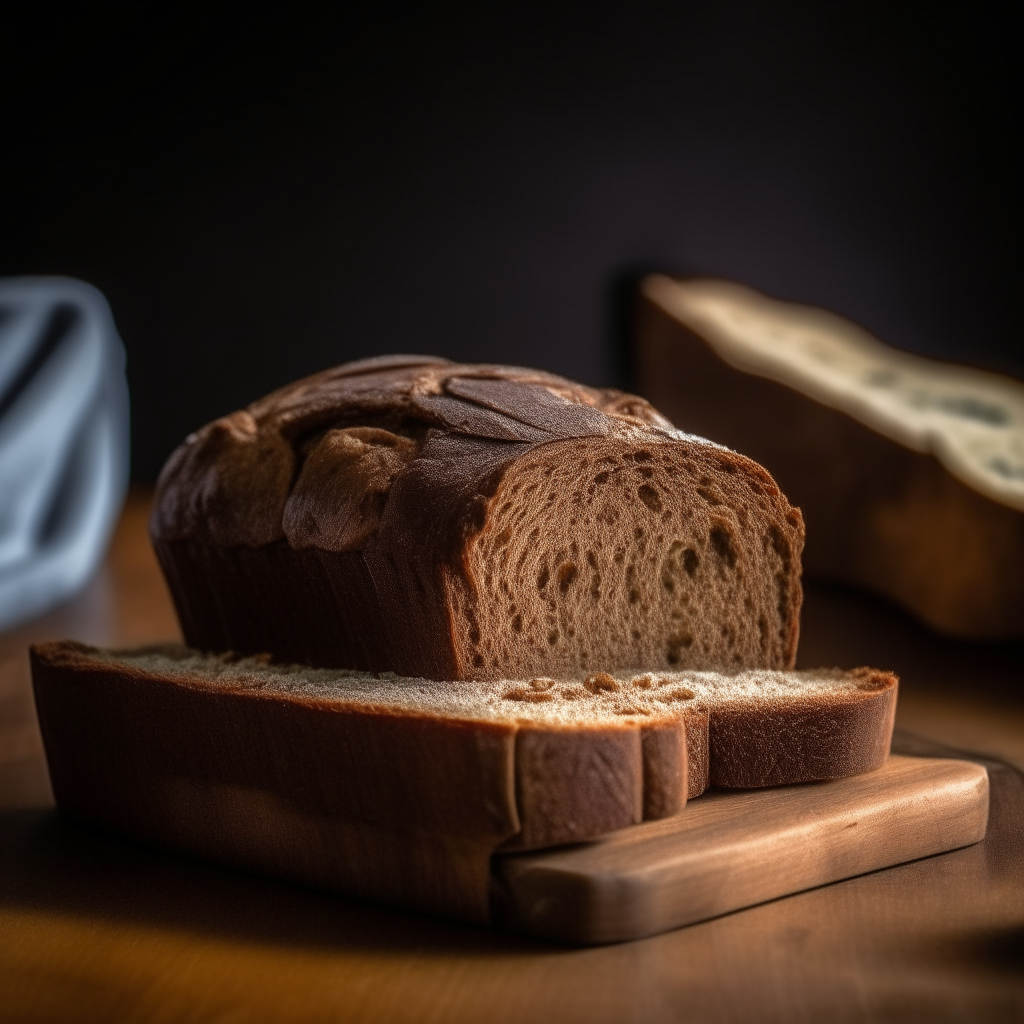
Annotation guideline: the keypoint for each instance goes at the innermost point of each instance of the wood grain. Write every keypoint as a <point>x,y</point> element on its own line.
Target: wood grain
<point>735,849</point>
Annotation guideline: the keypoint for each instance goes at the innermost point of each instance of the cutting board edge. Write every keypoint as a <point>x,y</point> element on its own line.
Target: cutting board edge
<point>618,909</point>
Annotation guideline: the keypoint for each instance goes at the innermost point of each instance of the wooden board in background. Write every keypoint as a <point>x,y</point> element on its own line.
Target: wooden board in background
<point>730,850</point>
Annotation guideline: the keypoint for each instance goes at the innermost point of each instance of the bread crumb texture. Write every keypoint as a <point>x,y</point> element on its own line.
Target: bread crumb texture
<point>642,553</point>
<point>971,420</point>
<point>583,701</point>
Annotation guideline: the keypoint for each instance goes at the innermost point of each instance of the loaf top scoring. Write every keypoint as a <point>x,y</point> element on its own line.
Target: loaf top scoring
<point>261,474</point>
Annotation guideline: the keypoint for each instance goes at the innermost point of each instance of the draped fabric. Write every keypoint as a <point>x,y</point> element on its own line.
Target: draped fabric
<point>63,440</point>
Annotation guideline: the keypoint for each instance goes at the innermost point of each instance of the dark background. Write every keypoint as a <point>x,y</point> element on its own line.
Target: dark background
<point>260,199</point>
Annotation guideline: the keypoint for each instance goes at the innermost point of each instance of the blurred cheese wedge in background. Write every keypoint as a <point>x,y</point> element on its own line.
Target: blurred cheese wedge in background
<point>63,440</point>
<point>909,472</point>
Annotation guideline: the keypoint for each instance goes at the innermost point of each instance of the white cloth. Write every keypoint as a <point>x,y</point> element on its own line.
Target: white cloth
<point>63,440</point>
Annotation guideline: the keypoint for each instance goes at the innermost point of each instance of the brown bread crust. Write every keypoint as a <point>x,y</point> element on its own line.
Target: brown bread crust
<point>390,806</point>
<point>459,521</point>
<point>398,806</point>
<point>353,802</point>
<point>847,735</point>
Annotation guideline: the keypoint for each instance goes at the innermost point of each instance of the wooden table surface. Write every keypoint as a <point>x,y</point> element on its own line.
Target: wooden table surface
<point>94,929</point>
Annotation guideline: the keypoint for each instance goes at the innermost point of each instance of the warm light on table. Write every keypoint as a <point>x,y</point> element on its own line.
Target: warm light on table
<point>96,929</point>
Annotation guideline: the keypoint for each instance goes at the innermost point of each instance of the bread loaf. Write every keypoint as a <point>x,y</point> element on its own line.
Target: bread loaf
<point>909,472</point>
<point>474,522</point>
<point>400,790</point>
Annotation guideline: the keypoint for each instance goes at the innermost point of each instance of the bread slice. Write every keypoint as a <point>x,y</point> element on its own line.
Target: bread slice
<point>474,522</point>
<point>909,472</point>
<point>399,790</point>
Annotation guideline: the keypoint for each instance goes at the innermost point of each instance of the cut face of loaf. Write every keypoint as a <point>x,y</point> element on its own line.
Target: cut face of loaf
<point>475,522</point>
<point>400,789</point>
<point>629,555</point>
<point>909,472</point>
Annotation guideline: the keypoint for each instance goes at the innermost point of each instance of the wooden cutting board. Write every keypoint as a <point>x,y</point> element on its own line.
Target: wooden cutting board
<point>730,850</point>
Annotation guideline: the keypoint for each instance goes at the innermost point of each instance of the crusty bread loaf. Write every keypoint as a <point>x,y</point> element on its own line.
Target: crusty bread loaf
<point>909,472</point>
<point>400,790</point>
<point>474,522</point>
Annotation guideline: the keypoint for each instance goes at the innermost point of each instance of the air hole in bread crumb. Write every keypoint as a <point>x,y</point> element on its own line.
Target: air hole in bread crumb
<point>650,497</point>
<point>641,456</point>
<point>542,577</point>
<point>478,660</point>
<point>722,543</point>
<point>541,683</point>
<point>632,711</point>
<point>553,637</point>
<point>601,478</point>
<point>566,574</point>
<point>643,682</point>
<point>678,642</point>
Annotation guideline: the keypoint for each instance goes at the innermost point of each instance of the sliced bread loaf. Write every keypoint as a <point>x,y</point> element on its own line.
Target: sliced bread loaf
<point>909,472</point>
<point>474,522</point>
<point>400,789</point>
